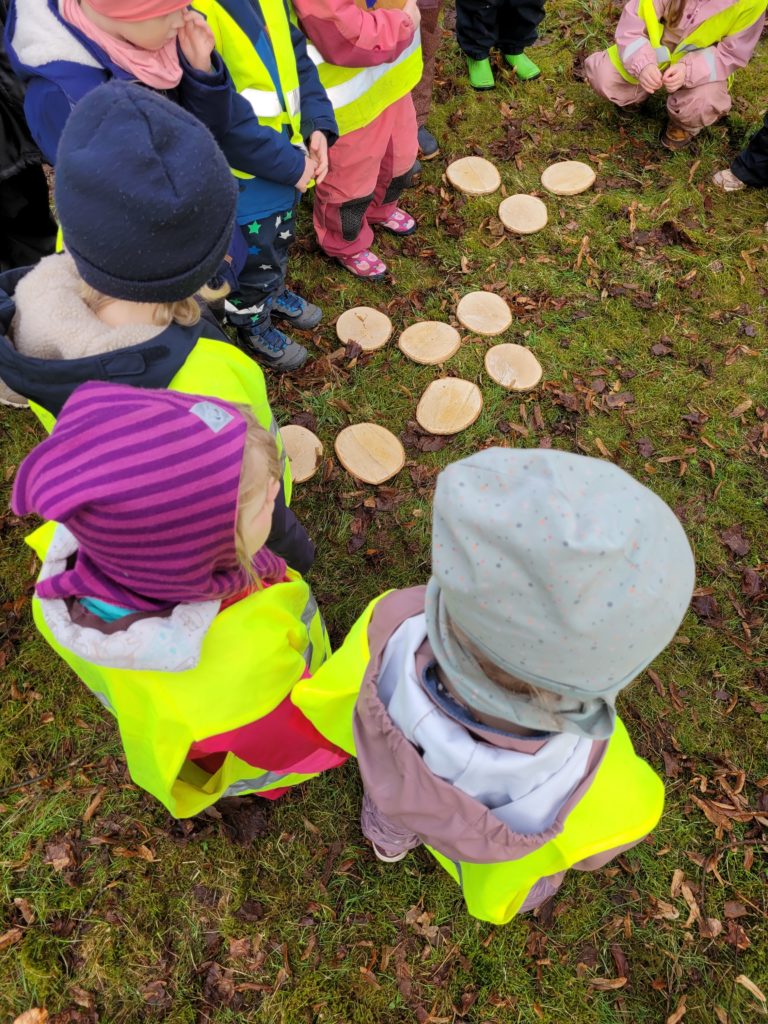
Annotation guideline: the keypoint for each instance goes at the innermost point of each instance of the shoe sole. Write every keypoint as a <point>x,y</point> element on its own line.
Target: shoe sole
<point>483,88</point>
<point>431,156</point>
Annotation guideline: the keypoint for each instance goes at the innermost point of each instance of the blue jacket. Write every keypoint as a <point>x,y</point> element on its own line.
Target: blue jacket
<point>60,65</point>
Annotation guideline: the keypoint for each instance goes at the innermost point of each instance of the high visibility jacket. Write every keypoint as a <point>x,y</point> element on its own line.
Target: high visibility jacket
<point>733,19</point>
<point>359,95</point>
<point>218,370</point>
<point>253,653</point>
<point>276,104</point>
<point>623,803</point>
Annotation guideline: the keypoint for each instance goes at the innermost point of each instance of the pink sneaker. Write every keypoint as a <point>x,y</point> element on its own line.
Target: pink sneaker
<point>364,264</point>
<point>400,223</point>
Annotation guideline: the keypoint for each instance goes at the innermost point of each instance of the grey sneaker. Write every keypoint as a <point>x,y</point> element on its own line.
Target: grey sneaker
<point>273,348</point>
<point>301,314</point>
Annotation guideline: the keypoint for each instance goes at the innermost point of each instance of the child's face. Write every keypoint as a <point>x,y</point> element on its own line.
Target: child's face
<point>255,518</point>
<point>151,34</point>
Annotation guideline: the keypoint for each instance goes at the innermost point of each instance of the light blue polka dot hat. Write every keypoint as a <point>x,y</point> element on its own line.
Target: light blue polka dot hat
<point>562,570</point>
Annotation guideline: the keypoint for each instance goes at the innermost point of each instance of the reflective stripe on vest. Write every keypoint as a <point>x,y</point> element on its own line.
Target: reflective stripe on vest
<point>732,20</point>
<point>256,646</point>
<point>359,95</point>
<point>249,72</point>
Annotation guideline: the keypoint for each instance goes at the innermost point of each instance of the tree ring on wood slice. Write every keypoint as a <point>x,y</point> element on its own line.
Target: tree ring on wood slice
<point>523,215</point>
<point>429,342</point>
<point>370,328</point>
<point>568,178</point>
<point>449,405</point>
<point>369,452</point>
<point>304,450</point>
<point>473,175</point>
<point>484,313</point>
<point>515,367</point>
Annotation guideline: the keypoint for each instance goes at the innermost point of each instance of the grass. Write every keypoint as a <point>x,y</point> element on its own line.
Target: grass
<point>128,916</point>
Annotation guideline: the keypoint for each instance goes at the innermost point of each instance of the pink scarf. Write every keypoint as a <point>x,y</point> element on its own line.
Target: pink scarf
<point>159,69</point>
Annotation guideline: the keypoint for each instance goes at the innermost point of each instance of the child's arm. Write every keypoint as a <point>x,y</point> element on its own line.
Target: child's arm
<point>352,38</point>
<point>635,48</point>
<point>717,63</point>
<point>253,149</point>
<point>46,109</point>
<point>208,94</point>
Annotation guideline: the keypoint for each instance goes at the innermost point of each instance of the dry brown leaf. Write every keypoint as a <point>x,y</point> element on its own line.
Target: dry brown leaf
<point>93,806</point>
<point>722,1016</point>
<point>10,937</point>
<point>677,880</point>
<point>33,1016</point>
<point>24,908</point>
<point>665,910</point>
<point>731,909</point>
<point>607,984</point>
<point>677,1016</point>
<point>740,409</point>
<point>750,986</point>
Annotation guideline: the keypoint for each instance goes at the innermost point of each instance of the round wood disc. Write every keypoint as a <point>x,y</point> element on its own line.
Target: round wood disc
<point>369,452</point>
<point>370,328</point>
<point>568,178</point>
<point>473,175</point>
<point>304,450</point>
<point>523,215</point>
<point>484,313</point>
<point>513,366</point>
<point>429,342</point>
<point>449,405</point>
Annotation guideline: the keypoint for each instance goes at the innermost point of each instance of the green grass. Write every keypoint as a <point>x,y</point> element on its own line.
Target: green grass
<point>121,938</point>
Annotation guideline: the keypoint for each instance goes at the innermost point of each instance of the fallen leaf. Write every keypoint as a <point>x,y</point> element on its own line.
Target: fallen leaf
<point>33,1016</point>
<point>734,540</point>
<point>607,984</point>
<point>24,908</point>
<point>10,937</point>
<point>732,908</point>
<point>677,1016</point>
<point>60,855</point>
<point>740,409</point>
<point>750,986</point>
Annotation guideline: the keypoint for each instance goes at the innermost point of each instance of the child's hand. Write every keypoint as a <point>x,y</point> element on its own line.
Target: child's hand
<point>674,77</point>
<point>307,176</point>
<point>196,40</point>
<point>318,151</point>
<point>650,78</point>
<point>411,8</point>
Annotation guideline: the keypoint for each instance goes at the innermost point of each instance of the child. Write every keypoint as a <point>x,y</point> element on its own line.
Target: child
<point>64,48</point>
<point>485,725</point>
<point>147,207</point>
<point>431,34</point>
<point>509,25</point>
<point>157,590</point>
<point>750,167</point>
<point>369,60</point>
<point>690,49</point>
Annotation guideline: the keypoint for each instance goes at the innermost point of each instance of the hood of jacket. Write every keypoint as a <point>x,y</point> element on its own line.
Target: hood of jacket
<point>154,643</point>
<point>40,369</point>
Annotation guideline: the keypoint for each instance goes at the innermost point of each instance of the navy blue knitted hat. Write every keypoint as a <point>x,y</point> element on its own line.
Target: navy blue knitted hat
<point>144,195</point>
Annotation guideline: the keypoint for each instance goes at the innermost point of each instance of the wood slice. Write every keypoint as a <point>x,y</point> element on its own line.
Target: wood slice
<point>304,450</point>
<point>449,405</point>
<point>484,313</point>
<point>568,178</point>
<point>429,342</point>
<point>473,175</point>
<point>523,215</point>
<point>513,366</point>
<point>370,328</point>
<point>369,452</point>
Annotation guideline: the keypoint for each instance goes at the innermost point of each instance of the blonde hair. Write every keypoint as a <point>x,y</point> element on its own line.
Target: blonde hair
<point>185,312</point>
<point>261,464</point>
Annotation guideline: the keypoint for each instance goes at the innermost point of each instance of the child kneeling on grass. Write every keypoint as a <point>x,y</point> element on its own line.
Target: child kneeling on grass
<point>157,589</point>
<point>485,724</point>
<point>686,47</point>
<point>147,207</point>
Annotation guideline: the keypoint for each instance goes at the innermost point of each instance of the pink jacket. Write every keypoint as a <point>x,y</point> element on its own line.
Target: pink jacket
<point>350,37</point>
<point>713,64</point>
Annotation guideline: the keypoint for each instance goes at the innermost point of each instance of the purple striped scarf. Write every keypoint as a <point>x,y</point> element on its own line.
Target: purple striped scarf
<point>147,481</point>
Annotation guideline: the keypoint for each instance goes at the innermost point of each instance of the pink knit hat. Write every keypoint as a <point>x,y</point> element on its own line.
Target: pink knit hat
<point>136,10</point>
<point>147,481</point>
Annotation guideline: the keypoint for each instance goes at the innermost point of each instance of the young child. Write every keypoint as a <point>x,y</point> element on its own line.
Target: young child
<point>688,49</point>
<point>157,589</point>
<point>147,207</point>
<point>750,168</point>
<point>509,25</point>
<point>485,725</point>
<point>369,60</point>
<point>64,48</point>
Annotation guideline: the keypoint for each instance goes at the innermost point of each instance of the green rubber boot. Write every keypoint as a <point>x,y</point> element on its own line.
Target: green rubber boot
<point>480,74</point>
<point>524,67</point>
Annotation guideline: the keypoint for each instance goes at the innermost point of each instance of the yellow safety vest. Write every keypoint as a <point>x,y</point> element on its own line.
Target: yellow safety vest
<point>249,72</point>
<point>732,20</point>
<point>219,370</point>
<point>495,892</point>
<point>359,95</point>
<point>251,656</point>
